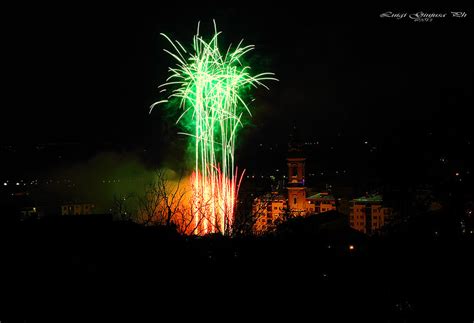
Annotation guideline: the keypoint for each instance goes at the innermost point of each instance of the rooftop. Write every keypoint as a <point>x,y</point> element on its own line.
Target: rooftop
<point>321,196</point>
<point>375,198</point>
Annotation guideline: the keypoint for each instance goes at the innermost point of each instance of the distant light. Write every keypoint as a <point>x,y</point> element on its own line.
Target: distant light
<point>457,174</point>
<point>366,142</point>
<point>351,247</point>
<point>17,183</point>
<point>5,184</point>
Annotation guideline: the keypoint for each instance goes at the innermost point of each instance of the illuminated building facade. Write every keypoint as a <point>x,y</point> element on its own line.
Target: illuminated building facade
<point>77,209</point>
<point>297,203</point>
<point>368,215</point>
<point>320,203</point>
<point>267,210</point>
<point>270,208</point>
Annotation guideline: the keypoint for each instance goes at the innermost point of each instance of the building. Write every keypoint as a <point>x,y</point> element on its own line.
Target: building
<point>296,186</point>
<point>368,215</point>
<point>320,203</point>
<point>28,212</point>
<point>271,208</point>
<point>299,204</point>
<point>77,209</point>
<point>268,210</point>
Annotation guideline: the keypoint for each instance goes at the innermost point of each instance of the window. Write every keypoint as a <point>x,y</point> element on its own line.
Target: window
<point>294,200</point>
<point>275,207</point>
<point>294,171</point>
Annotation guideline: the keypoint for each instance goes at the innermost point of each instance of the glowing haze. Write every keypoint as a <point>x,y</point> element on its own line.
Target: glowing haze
<point>209,86</point>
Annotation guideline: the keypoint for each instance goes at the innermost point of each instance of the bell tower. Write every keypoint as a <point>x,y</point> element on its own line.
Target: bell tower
<point>296,186</point>
<point>296,171</point>
<point>296,177</point>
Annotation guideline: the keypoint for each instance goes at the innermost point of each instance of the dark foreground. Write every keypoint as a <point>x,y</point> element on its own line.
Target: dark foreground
<point>89,268</point>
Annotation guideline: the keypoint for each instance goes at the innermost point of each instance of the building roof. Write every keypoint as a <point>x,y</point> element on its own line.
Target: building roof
<point>375,198</point>
<point>321,196</point>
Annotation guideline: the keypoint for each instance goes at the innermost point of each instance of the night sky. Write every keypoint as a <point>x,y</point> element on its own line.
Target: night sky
<point>89,75</point>
<point>382,105</point>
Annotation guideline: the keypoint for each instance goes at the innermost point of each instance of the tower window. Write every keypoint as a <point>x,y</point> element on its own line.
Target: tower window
<point>294,200</point>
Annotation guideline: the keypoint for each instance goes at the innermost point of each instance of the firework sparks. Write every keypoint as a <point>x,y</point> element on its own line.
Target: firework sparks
<point>208,86</point>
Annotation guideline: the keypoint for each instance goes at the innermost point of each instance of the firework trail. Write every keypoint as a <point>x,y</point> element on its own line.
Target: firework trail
<point>208,86</point>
